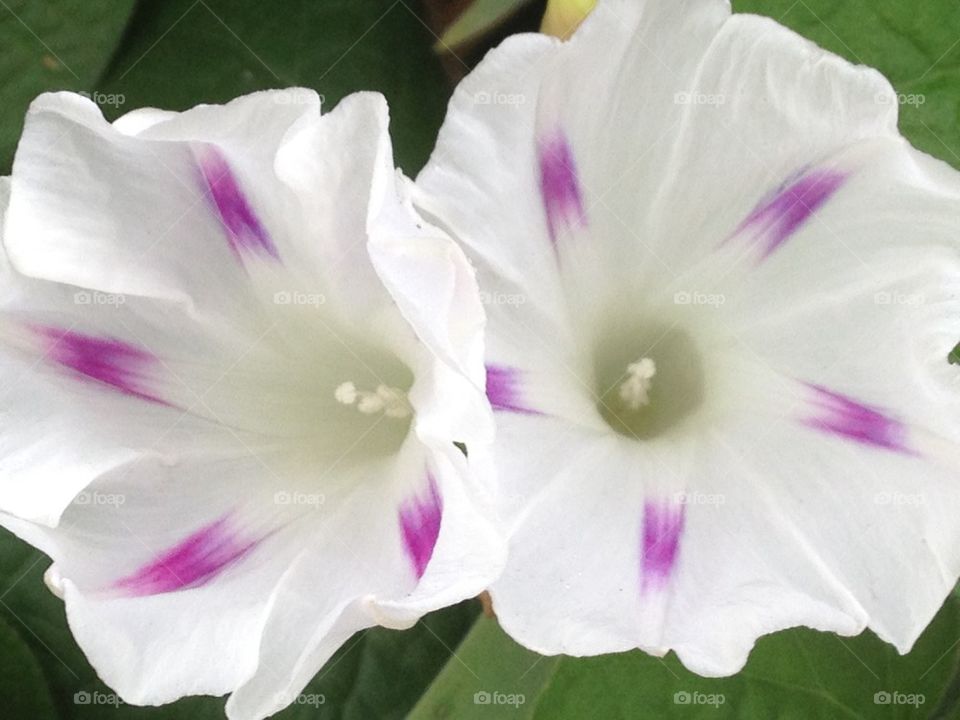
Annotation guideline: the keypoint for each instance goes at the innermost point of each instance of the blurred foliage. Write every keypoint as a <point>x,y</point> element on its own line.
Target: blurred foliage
<point>47,45</point>
<point>792,675</point>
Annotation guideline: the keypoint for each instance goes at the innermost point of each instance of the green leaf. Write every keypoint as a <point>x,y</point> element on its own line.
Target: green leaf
<point>479,18</point>
<point>488,673</point>
<point>797,674</point>
<point>382,673</point>
<point>22,684</point>
<point>183,52</point>
<point>916,45</point>
<point>378,673</point>
<point>48,45</point>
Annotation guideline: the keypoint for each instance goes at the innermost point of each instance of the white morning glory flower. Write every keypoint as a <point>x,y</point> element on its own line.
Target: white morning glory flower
<point>721,292</point>
<point>235,362</point>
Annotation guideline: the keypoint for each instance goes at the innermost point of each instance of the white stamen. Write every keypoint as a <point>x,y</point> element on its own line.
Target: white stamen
<point>370,403</point>
<point>346,393</point>
<point>635,390</point>
<point>392,402</point>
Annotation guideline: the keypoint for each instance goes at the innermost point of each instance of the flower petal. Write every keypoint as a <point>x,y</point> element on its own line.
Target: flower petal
<point>321,593</point>
<point>178,209</point>
<point>176,407</point>
<point>749,188</point>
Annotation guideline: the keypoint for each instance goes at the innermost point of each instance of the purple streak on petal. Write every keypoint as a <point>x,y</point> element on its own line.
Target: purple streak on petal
<point>504,391</point>
<point>559,186</point>
<point>841,415</point>
<point>105,360</point>
<point>420,526</point>
<point>245,232</point>
<point>662,526</point>
<point>193,562</point>
<point>779,216</point>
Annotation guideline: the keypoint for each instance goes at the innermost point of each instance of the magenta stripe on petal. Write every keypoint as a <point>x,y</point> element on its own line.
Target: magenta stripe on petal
<point>662,526</point>
<point>420,526</point>
<point>843,416</point>
<point>191,563</point>
<point>245,232</point>
<point>559,185</point>
<point>504,390</point>
<point>111,362</point>
<point>778,217</point>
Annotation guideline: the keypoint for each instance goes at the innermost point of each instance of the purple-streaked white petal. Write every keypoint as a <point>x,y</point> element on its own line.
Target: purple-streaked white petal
<point>420,518</point>
<point>559,184</point>
<point>663,522</point>
<point>505,390</point>
<point>112,362</point>
<point>245,232</point>
<point>842,416</point>
<point>779,216</point>
<point>193,562</point>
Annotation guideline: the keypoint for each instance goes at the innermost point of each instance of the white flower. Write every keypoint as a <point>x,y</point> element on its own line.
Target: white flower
<point>185,297</point>
<point>740,291</point>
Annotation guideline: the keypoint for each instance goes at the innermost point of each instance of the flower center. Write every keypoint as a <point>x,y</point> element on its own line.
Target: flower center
<point>643,398</point>
<point>390,401</point>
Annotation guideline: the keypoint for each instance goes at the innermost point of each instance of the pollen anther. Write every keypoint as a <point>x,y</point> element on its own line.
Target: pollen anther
<point>392,402</point>
<point>635,390</point>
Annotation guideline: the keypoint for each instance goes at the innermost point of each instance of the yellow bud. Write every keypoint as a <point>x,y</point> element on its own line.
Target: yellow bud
<point>564,16</point>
